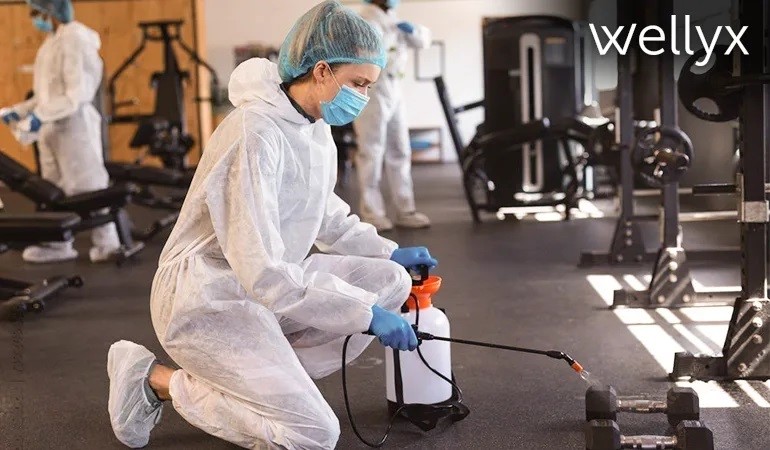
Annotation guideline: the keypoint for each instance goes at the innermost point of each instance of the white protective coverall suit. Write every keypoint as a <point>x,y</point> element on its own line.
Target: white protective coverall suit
<point>67,75</point>
<point>381,129</point>
<point>237,302</point>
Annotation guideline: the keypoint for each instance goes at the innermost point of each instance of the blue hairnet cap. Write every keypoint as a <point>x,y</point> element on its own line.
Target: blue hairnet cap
<point>61,9</point>
<point>332,33</point>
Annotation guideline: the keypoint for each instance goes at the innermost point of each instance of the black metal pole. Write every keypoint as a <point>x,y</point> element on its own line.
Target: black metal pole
<point>668,117</point>
<point>748,335</point>
<point>627,243</point>
<point>754,157</point>
<point>626,116</point>
<point>744,354</point>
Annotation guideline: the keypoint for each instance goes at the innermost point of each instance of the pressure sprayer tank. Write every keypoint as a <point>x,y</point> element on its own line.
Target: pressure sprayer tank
<point>418,384</point>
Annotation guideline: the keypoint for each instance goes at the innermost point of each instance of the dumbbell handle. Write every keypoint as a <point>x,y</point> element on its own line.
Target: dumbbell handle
<point>648,442</point>
<point>642,406</point>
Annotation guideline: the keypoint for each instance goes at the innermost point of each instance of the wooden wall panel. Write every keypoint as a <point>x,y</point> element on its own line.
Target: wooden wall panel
<point>16,69</point>
<point>206,116</point>
<point>116,22</point>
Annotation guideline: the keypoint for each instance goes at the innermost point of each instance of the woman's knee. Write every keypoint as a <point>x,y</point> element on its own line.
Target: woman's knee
<point>321,431</point>
<point>331,433</point>
<point>398,283</point>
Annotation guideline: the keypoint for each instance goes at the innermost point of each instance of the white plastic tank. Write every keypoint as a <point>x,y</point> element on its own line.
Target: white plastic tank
<point>420,384</point>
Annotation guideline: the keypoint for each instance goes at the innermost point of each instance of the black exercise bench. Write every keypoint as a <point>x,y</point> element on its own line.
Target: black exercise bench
<point>18,231</point>
<point>94,208</point>
<point>145,178</point>
<point>155,176</point>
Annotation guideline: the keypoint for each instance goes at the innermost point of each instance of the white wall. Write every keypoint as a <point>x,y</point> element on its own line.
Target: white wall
<point>455,22</point>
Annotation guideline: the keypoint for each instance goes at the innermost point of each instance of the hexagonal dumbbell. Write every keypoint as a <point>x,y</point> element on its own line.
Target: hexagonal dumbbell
<point>681,403</point>
<point>690,435</point>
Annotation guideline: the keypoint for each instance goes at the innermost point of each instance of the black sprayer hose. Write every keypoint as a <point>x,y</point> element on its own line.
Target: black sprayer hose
<point>384,438</point>
<point>347,405</point>
<point>422,336</point>
<point>456,388</point>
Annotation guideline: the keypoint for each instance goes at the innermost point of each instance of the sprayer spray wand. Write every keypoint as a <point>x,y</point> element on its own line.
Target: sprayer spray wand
<point>555,354</point>
<point>422,272</point>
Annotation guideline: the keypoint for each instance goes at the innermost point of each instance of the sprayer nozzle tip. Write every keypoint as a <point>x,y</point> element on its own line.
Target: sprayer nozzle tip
<point>577,367</point>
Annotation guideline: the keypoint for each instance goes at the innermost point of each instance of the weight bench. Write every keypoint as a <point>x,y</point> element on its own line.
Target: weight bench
<point>154,176</point>
<point>18,231</point>
<point>94,208</point>
<point>145,178</point>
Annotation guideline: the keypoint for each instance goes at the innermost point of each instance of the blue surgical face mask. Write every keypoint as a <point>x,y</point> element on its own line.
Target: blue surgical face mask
<point>392,3</point>
<point>345,107</point>
<point>44,25</point>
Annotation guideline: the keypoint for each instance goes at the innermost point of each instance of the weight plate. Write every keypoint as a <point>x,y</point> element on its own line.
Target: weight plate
<point>713,85</point>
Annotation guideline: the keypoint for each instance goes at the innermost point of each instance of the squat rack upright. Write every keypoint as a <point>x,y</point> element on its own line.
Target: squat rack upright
<point>747,344</point>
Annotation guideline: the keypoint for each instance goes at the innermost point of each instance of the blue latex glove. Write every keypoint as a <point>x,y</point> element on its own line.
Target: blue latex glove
<point>34,123</point>
<point>11,116</point>
<point>392,330</point>
<point>406,27</point>
<point>411,257</point>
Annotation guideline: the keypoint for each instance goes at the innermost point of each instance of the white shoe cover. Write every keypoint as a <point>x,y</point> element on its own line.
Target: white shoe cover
<point>49,252</point>
<point>132,414</point>
<point>413,220</point>
<point>101,254</point>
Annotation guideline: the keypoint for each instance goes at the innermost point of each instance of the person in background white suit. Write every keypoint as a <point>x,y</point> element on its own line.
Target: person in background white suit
<point>67,76</point>
<point>381,129</point>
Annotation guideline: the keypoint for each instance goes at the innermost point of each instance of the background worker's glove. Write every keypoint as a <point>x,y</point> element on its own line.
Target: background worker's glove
<point>30,124</point>
<point>406,27</point>
<point>411,257</point>
<point>8,115</point>
<point>34,123</point>
<point>392,330</point>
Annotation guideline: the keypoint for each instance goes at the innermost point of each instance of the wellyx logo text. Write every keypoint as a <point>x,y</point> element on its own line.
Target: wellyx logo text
<point>654,33</point>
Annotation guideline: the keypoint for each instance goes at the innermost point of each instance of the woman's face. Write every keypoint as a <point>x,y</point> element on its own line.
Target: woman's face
<point>357,76</point>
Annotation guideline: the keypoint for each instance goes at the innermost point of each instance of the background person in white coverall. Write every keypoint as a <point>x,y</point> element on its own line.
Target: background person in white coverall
<point>382,134</point>
<point>237,302</point>
<point>67,75</point>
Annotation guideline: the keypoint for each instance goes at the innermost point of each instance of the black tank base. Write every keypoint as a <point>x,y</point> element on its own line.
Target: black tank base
<point>426,417</point>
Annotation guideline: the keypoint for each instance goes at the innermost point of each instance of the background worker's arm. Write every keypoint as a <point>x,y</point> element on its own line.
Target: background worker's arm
<point>416,36</point>
<point>72,71</point>
<point>24,108</point>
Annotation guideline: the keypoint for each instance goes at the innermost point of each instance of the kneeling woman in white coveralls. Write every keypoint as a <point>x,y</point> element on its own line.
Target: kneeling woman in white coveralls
<point>237,303</point>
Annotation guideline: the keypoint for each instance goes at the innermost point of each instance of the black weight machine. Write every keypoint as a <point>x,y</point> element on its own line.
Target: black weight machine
<point>526,153</point>
<point>657,153</point>
<point>484,160</point>
<point>743,93</point>
<point>163,133</point>
<point>345,140</point>
<point>662,154</point>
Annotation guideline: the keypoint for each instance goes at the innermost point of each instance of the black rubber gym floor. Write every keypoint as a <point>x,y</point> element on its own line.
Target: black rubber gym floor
<point>511,282</point>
